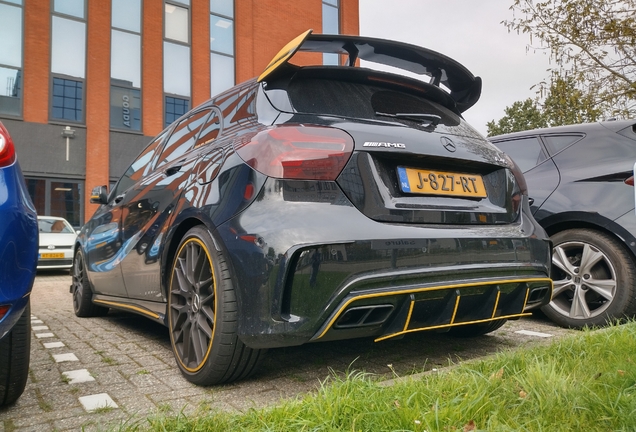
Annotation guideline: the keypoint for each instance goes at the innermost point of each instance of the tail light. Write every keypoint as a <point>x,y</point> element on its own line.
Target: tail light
<point>298,152</point>
<point>7,149</point>
<point>3,310</point>
<point>630,181</point>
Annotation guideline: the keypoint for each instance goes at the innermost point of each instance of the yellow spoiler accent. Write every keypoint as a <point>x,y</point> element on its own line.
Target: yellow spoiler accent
<point>284,54</point>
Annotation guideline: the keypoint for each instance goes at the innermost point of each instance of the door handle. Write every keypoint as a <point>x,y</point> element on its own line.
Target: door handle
<point>530,200</point>
<point>118,198</point>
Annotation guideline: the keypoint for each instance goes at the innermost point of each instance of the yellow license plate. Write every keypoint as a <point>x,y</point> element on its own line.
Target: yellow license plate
<point>52,255</point>
<point>420,181</point>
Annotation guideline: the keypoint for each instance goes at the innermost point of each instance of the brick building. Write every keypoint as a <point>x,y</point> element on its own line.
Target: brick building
<point>85,84</point>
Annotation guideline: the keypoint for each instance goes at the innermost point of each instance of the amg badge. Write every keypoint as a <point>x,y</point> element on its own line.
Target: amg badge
<point>383,144</point>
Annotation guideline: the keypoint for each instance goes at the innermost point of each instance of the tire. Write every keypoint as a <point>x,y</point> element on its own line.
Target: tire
<point>474,330</point>
<point>83,305</point>
<point>203,315</point>
<point>593,278</point>
<point>15,351</point>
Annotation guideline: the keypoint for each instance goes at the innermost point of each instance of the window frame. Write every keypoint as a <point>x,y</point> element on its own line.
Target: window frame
<point>141,72</point>
<point>52,74</point>
<point>163,55</point>
<point>542,148</point>
<point>19,116</point>
<point>233,55</point>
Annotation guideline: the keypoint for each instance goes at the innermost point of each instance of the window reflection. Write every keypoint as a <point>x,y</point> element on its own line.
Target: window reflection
<point>176,69</point>
<point>69,7</point>
<point>221,73</point>
<point>11,35</point>
<point>221,46</point>
<point>126,57</point>
<point>67,99</point>
<point>10,91</point>
<point>221,35</point>
<point>176,23</point>
<point>183,137</point>
<point>68,52</point>
<point>175,108</point>
<point>126,15</point>
<point>222,7</point>
<point>330,25</point>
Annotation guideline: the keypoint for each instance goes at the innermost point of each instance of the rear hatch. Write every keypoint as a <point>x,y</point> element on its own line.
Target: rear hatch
<point>415,160</point>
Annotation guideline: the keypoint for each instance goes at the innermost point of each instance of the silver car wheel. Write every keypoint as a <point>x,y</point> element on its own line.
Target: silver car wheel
<point>584,280</point>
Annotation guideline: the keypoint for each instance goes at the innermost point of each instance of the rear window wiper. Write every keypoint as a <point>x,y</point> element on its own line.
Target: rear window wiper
<point>428,120</point>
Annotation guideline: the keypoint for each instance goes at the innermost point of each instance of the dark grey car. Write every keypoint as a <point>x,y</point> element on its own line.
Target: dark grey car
<point>580,182</point>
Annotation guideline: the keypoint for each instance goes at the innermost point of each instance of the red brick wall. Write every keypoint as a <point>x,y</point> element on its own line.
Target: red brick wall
<point>152,67</point>
<point>200,52</point>
<point>263,27</point>
<point>97,99</point>
<point>37,63</point>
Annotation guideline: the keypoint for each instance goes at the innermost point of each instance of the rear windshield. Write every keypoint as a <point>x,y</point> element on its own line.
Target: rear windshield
<point>361,100</point>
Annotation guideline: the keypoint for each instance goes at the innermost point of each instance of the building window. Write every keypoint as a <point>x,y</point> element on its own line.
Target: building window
<point>176,59</point>
<point>175,108</point>
<point>67,99</point>
<point>330,25</point>
<point>61,198</point>
<point>68,59</point>
<point>221,45</point>
<point>125,65</point>
<point>11,57</point>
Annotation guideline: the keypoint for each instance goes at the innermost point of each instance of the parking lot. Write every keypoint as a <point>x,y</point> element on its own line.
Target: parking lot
<point>101,372</point>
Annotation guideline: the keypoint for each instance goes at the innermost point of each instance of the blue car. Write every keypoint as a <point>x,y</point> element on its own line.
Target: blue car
<point>18,259</point>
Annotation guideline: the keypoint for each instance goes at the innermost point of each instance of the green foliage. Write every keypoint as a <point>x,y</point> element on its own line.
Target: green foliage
<point>565,104</point>
<point>592,44</point>
<point>582,383</point>
<point>519,117</point>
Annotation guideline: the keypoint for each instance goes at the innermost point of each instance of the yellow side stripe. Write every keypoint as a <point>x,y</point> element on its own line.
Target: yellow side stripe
<point>127,306</point>
<point>494,310</point>
<point>408,318</point>
<point>455,310</point>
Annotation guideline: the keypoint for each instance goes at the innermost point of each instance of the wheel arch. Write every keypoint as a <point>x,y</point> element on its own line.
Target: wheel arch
<point>171,248</point>
<point>588,220</point>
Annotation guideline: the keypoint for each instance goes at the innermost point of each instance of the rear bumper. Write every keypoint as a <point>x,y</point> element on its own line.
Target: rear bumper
<point>301,265</point>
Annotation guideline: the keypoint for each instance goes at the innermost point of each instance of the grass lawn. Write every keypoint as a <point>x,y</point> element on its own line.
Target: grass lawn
<point>581,383</point>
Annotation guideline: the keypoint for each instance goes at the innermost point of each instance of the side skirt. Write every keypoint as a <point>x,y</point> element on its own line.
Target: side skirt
<point>156,311</point>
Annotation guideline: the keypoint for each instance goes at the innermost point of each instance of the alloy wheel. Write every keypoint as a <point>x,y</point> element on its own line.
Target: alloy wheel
<point>78,279</point>
<point>584,280</point>
<point>192,305</point>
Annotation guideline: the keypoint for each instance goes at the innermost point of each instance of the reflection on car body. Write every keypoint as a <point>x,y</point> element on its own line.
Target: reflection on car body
<point>259,219</point>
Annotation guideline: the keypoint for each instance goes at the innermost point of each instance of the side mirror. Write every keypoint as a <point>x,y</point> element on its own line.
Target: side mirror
<point>99,195</point>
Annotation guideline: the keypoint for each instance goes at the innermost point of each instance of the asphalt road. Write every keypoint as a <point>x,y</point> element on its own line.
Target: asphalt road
<point>94,373</point>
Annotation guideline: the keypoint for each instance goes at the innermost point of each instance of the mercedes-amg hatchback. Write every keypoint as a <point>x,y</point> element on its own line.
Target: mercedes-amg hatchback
<point>317,203</point>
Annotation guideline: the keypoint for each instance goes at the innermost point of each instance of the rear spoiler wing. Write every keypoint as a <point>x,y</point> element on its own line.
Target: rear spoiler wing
<point>464,87</point>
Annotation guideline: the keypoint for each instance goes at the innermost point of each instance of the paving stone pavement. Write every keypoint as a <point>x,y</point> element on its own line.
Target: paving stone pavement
<point>99,373</point>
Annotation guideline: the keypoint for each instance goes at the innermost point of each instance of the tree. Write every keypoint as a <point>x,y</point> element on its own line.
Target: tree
<point>564,104</point>
<point>592,42</point>
<point>519,117</point>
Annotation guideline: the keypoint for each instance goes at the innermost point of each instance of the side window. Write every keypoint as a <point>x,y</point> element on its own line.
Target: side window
<point>183,138</point>
<point>139,168</point>
<point>210,131</point>
<point>526,152</point>
<point>556,143</point>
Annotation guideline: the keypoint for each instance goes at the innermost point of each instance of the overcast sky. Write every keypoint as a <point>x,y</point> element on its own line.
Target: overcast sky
<point>470,32</point>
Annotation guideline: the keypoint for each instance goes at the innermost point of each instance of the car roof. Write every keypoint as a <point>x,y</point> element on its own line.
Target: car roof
<point>612,125</point>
